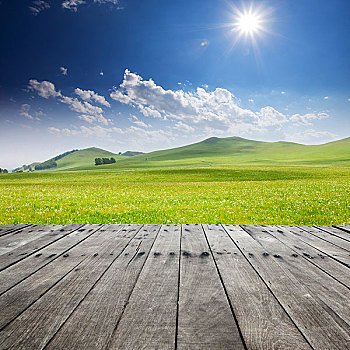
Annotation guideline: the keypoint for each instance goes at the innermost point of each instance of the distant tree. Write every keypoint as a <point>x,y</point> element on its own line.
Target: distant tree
<point>112,160</point>
<point>5,171</point>
<point>46,165</point>
<point>98,161</point>
<point>120,153</point>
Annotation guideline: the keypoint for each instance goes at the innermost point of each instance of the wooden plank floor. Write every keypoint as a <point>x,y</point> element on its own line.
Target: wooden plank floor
<point>174,287</point>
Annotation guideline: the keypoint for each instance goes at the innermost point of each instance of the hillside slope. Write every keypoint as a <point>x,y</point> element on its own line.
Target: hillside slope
<point>236,150</point>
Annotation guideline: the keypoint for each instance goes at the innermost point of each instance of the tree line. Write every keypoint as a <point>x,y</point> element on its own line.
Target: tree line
<point>3,171</point>
<point>100,161</point>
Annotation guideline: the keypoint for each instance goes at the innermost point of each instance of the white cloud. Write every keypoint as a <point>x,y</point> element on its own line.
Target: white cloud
<point>114,2</point>
<point>38,6</point>
<point>97,130</point>
<point>283,92</point>
<point>251,100</point>
<point>64,70</point>
<point>101,73</point>
<point>72,4</point>
<point>311,134</point>
<point>81,107</point>
<point>24,111</point>
<point>89,95</point>
<point>305,119</point>
<point>183,127</point>
<point>91,119</point>
<point>44,89</point>
<point>326,97</point>
<point>219,107</point>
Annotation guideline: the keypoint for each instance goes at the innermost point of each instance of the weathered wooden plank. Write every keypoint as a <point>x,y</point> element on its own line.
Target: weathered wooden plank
<point>149,319</point>
<point>51,310</point>
<point>25,268</point>
<point>23,251</point>
<point>343,227</point>
<point>339,242</point>
<point>6,229</point>
<point>334,268</point>
<point>321,327</point>
<point>335,231</point>
<point>324,247</point>
<point>92,323</point>
<point>333,294</point>
<point>205,319</point>
<point>263,322</point>
<point>20,297</point>
<point>24,236</point>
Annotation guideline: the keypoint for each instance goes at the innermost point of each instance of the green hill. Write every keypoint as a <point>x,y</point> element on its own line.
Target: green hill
<point>238,151</point>
<point>74,159</point>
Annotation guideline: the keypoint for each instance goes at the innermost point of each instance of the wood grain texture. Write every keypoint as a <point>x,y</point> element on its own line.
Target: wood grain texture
<point>24,236</point>
<point>324,247</point>
<point>339,242</point>
<point>24,268</point>
<point>336,232</point>
<point>20,297</point>
<point>173,287</point>
<point>6,229</point>
<point>320,326</point>
<point>25,250</point>
<point>92,324</point>
<point>263,322</point>
<point>150,315</point>
<point>205,319</point>
<point>343,227</point>
<point>333,294</point>
<point>333,267</point>
<point>52,309</point>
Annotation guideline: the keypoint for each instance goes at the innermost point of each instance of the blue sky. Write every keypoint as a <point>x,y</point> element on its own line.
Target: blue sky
<point>146,75</point>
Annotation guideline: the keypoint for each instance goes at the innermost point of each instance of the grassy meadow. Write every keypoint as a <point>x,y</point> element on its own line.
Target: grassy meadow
<point>295,195</point>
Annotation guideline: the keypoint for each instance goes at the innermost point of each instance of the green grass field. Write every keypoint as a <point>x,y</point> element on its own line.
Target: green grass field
<point>229,180</point>
<point>295,195</point>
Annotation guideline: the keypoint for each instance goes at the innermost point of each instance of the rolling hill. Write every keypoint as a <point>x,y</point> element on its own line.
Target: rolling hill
<point>238,151</point>
<point>75,159</point>
<point>215,151</point>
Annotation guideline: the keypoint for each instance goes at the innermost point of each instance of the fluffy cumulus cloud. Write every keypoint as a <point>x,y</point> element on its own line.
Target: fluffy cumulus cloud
<point>89,112</point>
<point>219,107</point>
<point>44,89</point>
<point>63,70</point>
<point>72,4</point>
<point>38,6</point>
<point>306,119</point>
<point>313,135</point>
<point>89,95</point>
<point>91,119</point>
<point>24,112</point>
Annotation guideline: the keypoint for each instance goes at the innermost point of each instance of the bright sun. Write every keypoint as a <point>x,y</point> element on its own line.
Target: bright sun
<point>248,23</point>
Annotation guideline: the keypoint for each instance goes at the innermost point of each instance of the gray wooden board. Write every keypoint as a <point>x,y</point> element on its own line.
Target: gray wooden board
<point>26,267</point>
<point>263,322</point>
<point>320,326</point>
<point>17,299</point>
<point>205,319</point>
<point>339,242</point>
<point>6,229</point>
<point>24,236</point>
<point>343,227</point>
<point>331,266</point>
<point>336,232</point>
<point>91,325</point>
<point>324,247</point>
<point>25,250</point>
<point>149,319</point>
<point>333,294</point>
<point>51,310</point>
